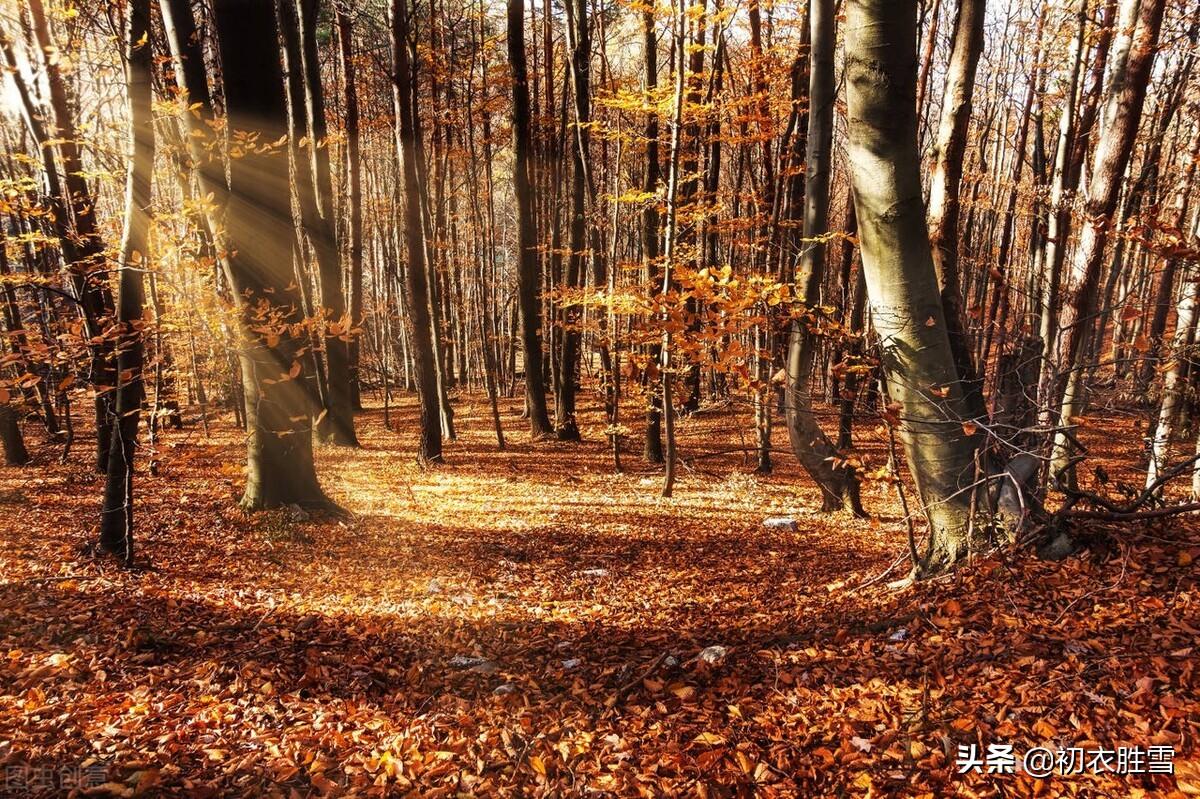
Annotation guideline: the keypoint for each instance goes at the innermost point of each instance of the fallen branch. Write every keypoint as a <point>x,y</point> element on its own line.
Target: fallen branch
<point>1112,516</point>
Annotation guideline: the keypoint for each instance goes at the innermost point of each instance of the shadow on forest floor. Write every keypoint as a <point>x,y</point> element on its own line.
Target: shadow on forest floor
<point>527,622</point>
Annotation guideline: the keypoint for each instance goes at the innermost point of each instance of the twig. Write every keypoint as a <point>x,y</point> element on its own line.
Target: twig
<point>629,686</point>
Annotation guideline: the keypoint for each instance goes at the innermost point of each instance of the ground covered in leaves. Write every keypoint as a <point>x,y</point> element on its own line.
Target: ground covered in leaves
<point>529,623</point>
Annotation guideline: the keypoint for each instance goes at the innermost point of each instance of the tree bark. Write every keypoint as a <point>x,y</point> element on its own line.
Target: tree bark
<point>116,516</point>
<point>1120,116</point>
<point>354,216</point>
<point>945,186</point>
<point>84,246</point>
<point>279,468</point>
<point>429,450</point>
<point>652,451</point>
<point>817,454</point>
<point>898,265</point>
<point>529,279</point>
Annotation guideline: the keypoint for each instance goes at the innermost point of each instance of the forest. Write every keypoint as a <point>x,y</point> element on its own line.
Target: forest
<point>610,398</point>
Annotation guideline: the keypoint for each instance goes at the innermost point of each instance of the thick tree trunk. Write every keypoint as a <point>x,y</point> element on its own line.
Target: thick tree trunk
<point>421,329</point>
<point>116,516</point>
<point>279,468</point>
<point>906,306</point>
<point>529,279</point>
<point>814,450</point>
<point>15,453</point>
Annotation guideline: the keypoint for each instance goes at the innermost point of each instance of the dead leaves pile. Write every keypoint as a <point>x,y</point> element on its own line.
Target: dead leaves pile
<point>526,623</point>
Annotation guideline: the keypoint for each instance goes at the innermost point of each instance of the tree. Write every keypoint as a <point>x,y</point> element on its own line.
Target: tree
<point>1119,119</point>
<point>316,207</point>
<point>669,244</point>
<point>354,215</point>
<point>814,450</point>
<point>279,463</point>
<point>945,183</point>
<point>529,279</point>
<point>421,328</point>
<point>581,53</point>
<point>80,240</point>
<point>116,517</point>
<point>652,450</point>
<point>906,308</point>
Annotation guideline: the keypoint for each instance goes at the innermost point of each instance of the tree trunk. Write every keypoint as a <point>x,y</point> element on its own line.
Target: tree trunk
<point>83,247</point>
<point>577,36</point>
<point>421,329</point>
<point>116,516</point>
<point>1057,225</point>
<point>15,453</point>
<point>945,185</point>
<point>529,281</point>
<point>1173,382</point>
<point>279,469</point>
<point>652,450</point>
<point>669,244</point>
<point>354,196</point>
<point>906,306</point>
<point>315,190</point>
<point>1119,119</point>
<point>817,454</point>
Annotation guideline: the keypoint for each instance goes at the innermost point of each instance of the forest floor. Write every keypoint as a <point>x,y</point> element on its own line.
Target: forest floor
<point>527,622</point>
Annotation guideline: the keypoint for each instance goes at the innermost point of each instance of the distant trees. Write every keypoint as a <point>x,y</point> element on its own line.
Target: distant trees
<point>505,205</point>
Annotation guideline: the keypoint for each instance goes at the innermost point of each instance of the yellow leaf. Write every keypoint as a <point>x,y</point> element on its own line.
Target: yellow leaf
<point>538,764</point>
<point>708,739</point>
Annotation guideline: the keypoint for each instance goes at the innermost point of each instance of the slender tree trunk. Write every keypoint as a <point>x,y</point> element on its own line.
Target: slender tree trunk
<point>529,280</point>
<point>1001,289</point>
<point>817,454</point>
<point>669,244</point>
<point>116,516</point>
<point>316,212</point>
<point>652,450</point>
<point>421,328</point>
<point>945,186</point>
<point>577,24</point>
<point>1057,226</point>
<point>354,196</point>
<point>84,253</point>
<point>1119,121</point>
<point>1173,380</point>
